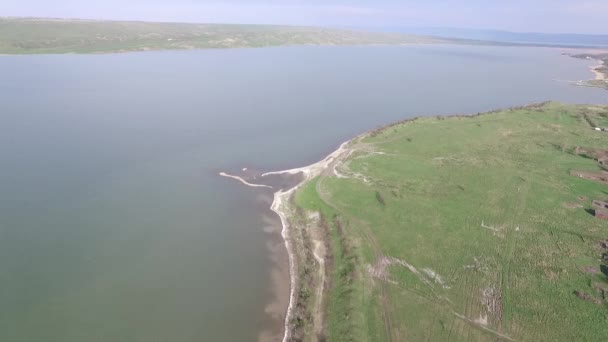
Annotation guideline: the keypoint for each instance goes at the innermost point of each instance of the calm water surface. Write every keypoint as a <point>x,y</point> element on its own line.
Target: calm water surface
<point>113,223</point>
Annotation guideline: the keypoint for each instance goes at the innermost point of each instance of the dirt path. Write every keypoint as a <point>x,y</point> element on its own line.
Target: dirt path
<point>502,319</point>
<point>317,312</point>
<point>389,330</point>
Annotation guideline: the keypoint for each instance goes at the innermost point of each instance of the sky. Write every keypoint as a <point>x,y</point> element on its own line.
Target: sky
<point>551,16</point>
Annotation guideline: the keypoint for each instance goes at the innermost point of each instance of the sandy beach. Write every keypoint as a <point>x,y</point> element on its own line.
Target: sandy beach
<point>600,76</point>
<point>282,206</point>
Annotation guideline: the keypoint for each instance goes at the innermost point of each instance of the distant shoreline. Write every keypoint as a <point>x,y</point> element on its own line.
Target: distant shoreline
<point>600,71</point>
<point>600,76</point>
<point>25,36</point>
<point>30,36</point>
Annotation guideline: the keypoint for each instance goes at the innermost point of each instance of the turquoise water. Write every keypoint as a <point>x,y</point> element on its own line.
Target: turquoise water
<point>114,225</point>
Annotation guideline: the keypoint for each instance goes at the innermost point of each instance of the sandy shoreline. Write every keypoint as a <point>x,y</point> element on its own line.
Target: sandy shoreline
<point>279,198</point>
<point>599,76</point>
<point>281,207</point>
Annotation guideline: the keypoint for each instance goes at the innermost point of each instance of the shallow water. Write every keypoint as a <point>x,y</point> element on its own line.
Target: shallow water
<point>114,225</point>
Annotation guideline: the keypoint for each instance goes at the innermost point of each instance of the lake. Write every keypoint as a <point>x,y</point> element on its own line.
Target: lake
<point>114,225</point>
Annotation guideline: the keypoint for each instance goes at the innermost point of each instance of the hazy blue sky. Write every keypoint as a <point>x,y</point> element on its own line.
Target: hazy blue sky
<point>584,16</point>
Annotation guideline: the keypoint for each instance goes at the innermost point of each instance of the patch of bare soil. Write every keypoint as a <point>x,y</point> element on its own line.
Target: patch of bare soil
<point>590,269</point>
<point>599,177</point>
<point>601,289</point>
<point>592,153</point>
<point>587,297</point>
<point>572,205</point>
<point>492,300</point>
<point>380,269</point>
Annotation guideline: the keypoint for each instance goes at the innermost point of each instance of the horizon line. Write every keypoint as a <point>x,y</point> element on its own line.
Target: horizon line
<point>329,26</point>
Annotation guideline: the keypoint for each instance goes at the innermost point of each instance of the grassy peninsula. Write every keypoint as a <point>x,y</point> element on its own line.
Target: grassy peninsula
<point>38,36</point>
<point>466,228</point>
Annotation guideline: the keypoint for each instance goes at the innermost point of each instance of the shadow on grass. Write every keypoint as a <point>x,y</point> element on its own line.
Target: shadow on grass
<point>604,269</point>
<point>590,211</point>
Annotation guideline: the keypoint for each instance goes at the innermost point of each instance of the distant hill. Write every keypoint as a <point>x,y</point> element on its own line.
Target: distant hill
<point>46,35</point>
<point>33,36</point>
<point>570,39</point>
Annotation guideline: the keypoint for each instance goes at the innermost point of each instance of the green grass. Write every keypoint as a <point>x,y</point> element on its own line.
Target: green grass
<point>341,319</point>
<point>43,36</point>
<point>440,180</point>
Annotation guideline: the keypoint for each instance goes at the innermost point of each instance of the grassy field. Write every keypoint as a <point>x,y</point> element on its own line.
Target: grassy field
<point>31,36</point>
<point>462,229</point>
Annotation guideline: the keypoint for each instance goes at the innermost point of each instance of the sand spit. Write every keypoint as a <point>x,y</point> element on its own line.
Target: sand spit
<point>314,170</point>
<point>281,206</point>
<point>600,76</point>
<point>224,174</point>
<point>280,200</point>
